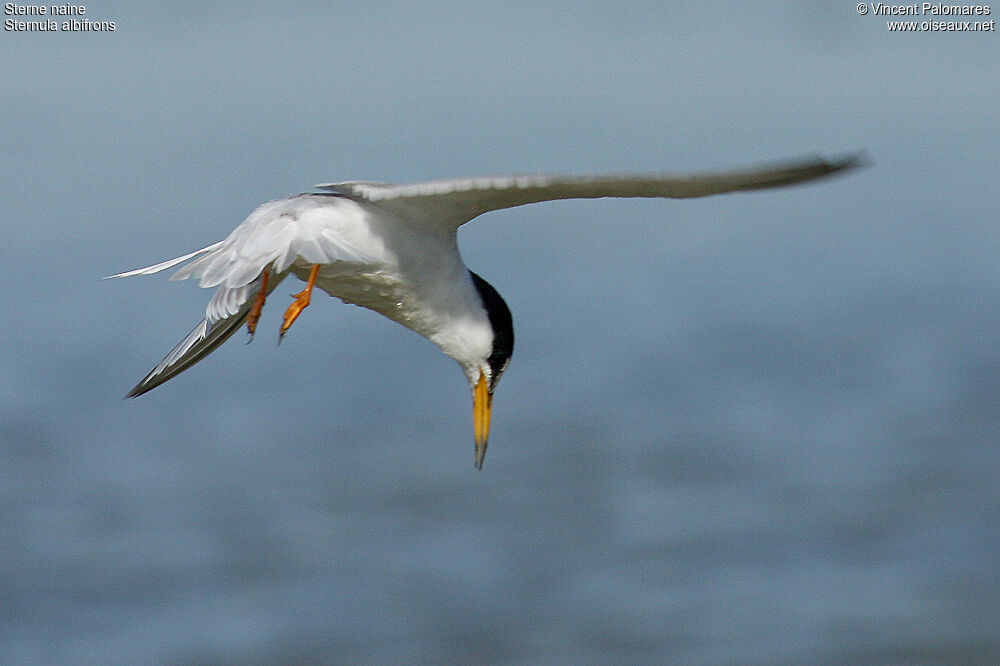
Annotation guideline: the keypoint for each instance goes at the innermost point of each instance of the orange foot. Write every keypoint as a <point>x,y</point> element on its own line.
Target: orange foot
<point>300,302</point>
<point>258,305</point>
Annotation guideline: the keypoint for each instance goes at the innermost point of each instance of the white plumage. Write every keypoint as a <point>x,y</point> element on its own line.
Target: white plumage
<point>393,249</point>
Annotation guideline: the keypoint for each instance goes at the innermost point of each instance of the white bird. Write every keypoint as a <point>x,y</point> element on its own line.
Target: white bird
<point>393,249</point>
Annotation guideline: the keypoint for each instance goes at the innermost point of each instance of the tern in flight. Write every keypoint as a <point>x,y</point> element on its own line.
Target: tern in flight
<point>393,249</point>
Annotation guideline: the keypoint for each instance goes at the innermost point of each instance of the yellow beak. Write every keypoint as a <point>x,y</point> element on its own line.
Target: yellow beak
<point>482,403</point>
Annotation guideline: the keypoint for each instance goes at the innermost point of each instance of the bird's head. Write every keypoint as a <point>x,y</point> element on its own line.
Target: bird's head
<point>485,372</point>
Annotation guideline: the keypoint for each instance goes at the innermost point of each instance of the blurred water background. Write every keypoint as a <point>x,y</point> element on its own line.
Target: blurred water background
<point>758,428</point>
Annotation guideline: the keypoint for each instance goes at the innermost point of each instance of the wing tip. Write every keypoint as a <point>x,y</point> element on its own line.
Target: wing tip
<point>142,387</point>
<point>859,159</point>
<point>814,167</point>
<point>156,376</point>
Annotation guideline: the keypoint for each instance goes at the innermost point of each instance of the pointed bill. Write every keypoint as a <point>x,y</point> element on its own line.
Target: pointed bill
<point>482,403</point>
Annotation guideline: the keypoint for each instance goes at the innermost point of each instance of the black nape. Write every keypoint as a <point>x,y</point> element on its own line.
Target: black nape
<point>502,324</point>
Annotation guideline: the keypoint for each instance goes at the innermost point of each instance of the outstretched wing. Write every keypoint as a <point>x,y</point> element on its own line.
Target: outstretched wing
<point>272,237</point>
<point>460,200</point>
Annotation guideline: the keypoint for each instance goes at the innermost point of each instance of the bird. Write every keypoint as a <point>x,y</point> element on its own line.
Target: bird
<point>393,249</point>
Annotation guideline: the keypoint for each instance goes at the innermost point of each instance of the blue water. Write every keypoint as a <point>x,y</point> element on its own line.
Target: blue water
<point>741,492</point>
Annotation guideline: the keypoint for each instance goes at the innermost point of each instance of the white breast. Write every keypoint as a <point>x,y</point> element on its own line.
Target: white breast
<point>415,276</point>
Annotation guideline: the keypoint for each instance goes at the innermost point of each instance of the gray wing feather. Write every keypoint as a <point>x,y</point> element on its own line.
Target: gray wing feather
<point>458,201</point>
<point>226,312</point>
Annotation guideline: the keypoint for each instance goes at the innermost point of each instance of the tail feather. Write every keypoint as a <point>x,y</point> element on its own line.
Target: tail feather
<point>169,263</point>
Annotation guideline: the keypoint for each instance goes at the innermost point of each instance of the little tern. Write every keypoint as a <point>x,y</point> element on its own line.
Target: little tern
<point>394,249</point>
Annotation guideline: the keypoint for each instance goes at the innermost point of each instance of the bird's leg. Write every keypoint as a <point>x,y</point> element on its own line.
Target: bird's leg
<point>258,305</point>
<point>300,302</point>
